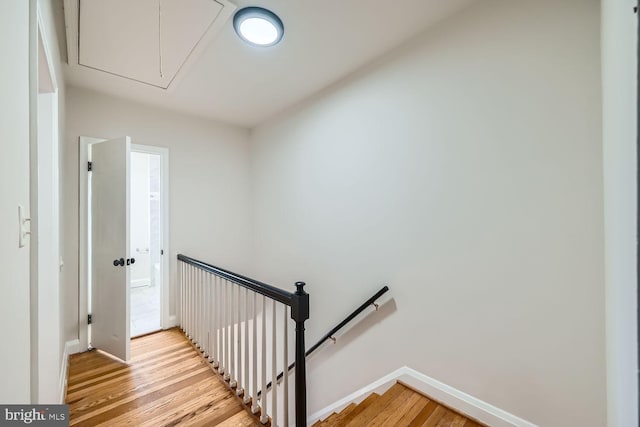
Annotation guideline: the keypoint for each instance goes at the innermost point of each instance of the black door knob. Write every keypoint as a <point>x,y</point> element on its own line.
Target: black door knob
<point>133,260</point>
<point>118,262</point>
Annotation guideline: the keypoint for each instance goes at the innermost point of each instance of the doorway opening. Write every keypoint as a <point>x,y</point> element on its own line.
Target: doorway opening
<point>146,247</point>
<point>124,243</point>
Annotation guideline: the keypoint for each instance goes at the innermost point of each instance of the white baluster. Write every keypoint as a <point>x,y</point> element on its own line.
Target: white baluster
<point>263,395</point>
<point>203,330</point>
<point>230,359</point>
<point>186,299</point>
<point>194,312</point>
<point>223,324</point>
<point>254,355</point>
<point>285,364</point>
<point>247,395</point>
<point>189,302</point>
<point>214,311</point>
<point>181,287</point>
<point>232,335</point>
<point>197,307</point>
<point>225,346</point>
<point>274,367</point>
<point>199,311</point>
<point>239,385</point>
<point>216,318</point>
<point>207,315</point>
<point>192,332</point>
<point>194,307</point>
<point>189,311</point>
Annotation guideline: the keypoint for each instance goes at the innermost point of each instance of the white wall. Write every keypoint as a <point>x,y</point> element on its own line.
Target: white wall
<point>14,174</point>
<point>465,171</point>
<point>619,86</point>
<point>208,173</point>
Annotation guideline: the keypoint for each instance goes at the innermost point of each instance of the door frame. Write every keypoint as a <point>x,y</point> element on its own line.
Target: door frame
<point>83,235</point>
<point>46,373</point>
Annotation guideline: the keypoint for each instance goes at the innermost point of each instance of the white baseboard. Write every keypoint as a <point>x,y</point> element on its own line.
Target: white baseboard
<point>74,347</point>
<point>172,322</point>
<point>70,347</point>
<point>447,395</point>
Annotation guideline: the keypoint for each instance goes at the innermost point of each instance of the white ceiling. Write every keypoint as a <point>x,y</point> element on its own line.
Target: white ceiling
<point>324,41</point>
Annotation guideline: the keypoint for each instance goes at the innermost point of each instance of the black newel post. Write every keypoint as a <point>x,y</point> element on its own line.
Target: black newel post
<point>300,313</point>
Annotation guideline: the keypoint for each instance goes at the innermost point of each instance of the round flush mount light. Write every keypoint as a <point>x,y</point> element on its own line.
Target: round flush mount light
<point>258,26</point>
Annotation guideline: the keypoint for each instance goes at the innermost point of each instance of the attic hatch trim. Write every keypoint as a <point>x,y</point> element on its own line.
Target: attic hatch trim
<point>72,24</point>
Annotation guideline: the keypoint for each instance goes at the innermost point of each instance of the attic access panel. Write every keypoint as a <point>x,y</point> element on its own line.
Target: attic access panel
<point>148,41</point>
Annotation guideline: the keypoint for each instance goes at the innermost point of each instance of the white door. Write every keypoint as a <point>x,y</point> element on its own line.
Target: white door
<point>110,258</point>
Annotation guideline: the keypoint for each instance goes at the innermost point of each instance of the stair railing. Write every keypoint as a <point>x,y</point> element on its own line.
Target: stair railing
<point>371,302</point>
<point>225,315</point>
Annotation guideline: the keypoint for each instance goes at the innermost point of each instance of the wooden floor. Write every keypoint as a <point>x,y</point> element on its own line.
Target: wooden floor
<point>398,406</point>
<point>166,383</point>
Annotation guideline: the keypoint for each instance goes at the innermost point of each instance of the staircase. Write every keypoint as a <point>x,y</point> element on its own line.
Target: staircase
<point>219,313</point>
<point>399,406</point>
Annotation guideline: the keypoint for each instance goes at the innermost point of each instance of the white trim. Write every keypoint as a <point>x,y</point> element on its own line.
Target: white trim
<point>71,11</point>
<point>64,368</point>
<point>33,199</point>
<point>447,395</point>
<point>45,268</point>
<point>619,82</point>
<point>218,24</point>
<point>73,347</point>
<point>44,40</point>
<point>172,321</point>
<point>70,347</point>
<point>83,243</point>
<point>49,306</point>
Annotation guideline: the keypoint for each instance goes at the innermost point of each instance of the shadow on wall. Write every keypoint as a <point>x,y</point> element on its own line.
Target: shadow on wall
<point>360,325</point>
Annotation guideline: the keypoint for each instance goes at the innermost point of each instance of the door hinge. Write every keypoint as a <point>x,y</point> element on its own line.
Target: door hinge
<point>161,251</point>
<point>89,166</point>
<point>89,319</point>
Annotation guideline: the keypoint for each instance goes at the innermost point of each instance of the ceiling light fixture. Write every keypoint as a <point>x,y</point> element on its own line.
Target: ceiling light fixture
<point>258,26</point>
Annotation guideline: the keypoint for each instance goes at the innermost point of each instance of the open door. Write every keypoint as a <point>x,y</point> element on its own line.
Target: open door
<point>110,258</point>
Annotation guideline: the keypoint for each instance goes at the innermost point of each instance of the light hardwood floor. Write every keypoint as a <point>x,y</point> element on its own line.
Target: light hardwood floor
<point>166,383</point>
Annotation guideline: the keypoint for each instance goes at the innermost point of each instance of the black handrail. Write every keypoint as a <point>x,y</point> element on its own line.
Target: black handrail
<point>299,303</point>
<point>270,291</point>
<point>348,319</point>
<point>335,329</point>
